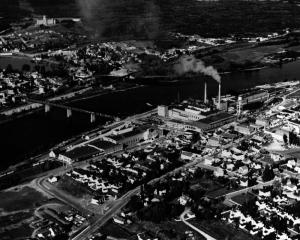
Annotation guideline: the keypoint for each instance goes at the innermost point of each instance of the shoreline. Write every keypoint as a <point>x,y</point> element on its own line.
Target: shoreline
<point>16,114</point>
<point>56,145</point>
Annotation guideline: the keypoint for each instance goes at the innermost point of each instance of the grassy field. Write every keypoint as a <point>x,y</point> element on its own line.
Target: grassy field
<point>221,230</point>
<point>242,198</point>
<point>16,212</point>
<point>115,230</point>
<point>250,54</point>
<point>24,199</point>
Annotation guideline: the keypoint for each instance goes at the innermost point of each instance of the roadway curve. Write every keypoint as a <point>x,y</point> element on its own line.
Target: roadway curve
<point>182,218</point>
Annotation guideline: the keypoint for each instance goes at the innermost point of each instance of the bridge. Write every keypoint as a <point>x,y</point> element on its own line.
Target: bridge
<point>70,110</point>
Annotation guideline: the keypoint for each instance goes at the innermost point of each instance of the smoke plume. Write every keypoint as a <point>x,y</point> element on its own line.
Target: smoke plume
<point>191,64</point>
<point>123,19</point>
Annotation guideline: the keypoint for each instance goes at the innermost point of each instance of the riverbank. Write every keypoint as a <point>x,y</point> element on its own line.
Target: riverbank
<point>35,133</point>
<point>24,110</point>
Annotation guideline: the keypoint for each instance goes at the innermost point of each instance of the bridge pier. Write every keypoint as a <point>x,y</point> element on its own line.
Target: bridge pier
<point>69,112</point>
<point>93,117</point>
<point>47,108</point>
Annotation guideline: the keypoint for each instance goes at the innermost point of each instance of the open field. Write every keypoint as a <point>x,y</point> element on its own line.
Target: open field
<point>165,230</point>
<point>15,218</point>
<point>242,198</point>
<point>24,199</point>
<point>250,54</point>
<point>221,230</point>
<point>115,230</point>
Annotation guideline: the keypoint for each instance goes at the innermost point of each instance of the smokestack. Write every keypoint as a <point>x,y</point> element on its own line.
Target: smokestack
<point>219,98</point>
<point>205,92</point>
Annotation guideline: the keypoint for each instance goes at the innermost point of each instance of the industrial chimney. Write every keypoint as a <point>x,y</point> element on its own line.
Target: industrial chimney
<point>205,92</point>
<point>219,98</point>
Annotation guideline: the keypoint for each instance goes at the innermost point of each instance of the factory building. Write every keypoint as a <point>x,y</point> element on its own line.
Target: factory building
<point>207,124</point>
<point>214,121</point>
<point>187,113</point>
<point>133,136</point>
<point>251,97</point>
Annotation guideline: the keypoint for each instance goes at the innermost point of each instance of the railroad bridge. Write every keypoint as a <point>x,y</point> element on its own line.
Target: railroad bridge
<point>48,105</point>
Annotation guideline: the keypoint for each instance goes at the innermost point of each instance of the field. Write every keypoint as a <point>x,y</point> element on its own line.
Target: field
<point>24,199</point>
<point>242,198</point>
<point>250,54</point>
<point>15,218</point>
<point>221,230</point>
<point>115,230</point>
<point>164,230</point>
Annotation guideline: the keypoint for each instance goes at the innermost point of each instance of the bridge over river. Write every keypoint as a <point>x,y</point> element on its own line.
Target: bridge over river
<point>70,109</point>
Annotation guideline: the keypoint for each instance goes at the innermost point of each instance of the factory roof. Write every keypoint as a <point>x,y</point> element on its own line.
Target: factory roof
<point>104,145</point>
<point>132,133</point>
<point>211,120</point>
<point>81,152</point>
<point>216,118</point>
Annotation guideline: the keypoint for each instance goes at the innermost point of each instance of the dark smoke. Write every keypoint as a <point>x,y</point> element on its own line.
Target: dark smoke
<point>123,19</point>
<point>191,64</point>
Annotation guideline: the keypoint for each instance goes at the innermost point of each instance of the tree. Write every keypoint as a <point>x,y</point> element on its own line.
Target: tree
<point>9,69</point>
<point>285,139</point>
<point>26,68</point>
<point>268,174</point>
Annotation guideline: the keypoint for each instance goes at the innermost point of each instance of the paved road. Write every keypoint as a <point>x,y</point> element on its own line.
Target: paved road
<point>207,236</point>
<point>117,206</point>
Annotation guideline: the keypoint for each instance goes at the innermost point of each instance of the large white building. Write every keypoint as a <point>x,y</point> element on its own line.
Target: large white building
<point>45,21</point>
<point>189,113</point>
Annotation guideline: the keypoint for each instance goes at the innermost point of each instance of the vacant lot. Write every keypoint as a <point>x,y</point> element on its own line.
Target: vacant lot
<point>24,199</point>
<point>16,212</point>
<point>242,198</point>
<point>221,230</point>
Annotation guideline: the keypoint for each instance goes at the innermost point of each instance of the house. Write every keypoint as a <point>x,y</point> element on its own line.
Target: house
<point>238,156</point>
<point>186,155</point>
<point>208,160</point>
<point>244,182</point>
<point>119,220</point>
<point>226,154</point>
<point>94,201</point>
<point>183,200</point>
<point>213,142</point>
<point>275,157</point>
<point>264,194</point>
<point>230,167</point>
<point>243,170</point>
<point>52,179</point>
<point>219,172</point>
<point>244,129</point>
<point>52,154</point>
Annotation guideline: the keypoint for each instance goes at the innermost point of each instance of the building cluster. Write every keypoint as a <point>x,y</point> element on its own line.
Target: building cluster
<point>114,140</point>
<point>16,87</point>
<point>36,40</point>
<point>58,222</point>
<point>273,216</point>
<point>115,175</point>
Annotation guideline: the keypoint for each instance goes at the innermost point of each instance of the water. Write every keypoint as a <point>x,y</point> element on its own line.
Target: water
<point>39,131</point>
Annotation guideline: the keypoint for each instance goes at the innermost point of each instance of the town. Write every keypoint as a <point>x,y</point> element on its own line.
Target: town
<point>197,169</point>
<point>221,165</point>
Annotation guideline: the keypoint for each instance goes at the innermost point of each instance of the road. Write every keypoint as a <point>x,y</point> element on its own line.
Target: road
<point>117,206</point>
<point>182,218</point>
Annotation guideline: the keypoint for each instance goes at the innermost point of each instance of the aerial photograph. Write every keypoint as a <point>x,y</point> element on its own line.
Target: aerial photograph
<point>149,119</point>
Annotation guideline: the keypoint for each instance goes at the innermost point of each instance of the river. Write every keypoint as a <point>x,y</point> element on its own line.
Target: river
<point>32,133</point>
